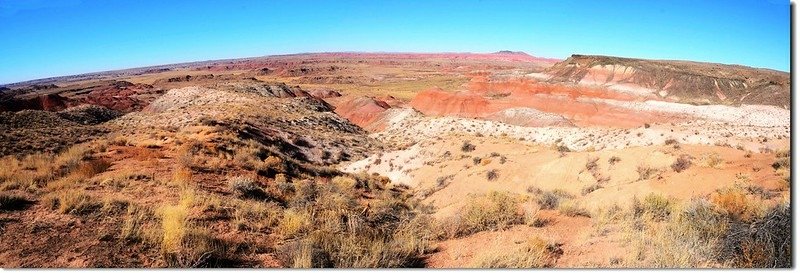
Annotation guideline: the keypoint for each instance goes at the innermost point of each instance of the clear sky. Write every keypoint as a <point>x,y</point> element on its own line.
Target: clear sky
<point>44,38</point>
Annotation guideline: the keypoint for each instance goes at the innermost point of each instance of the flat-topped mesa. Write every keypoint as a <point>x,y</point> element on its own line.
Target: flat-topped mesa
<point>682,81</point>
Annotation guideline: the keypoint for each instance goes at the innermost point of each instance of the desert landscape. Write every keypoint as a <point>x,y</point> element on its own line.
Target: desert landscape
<point>437,160</point>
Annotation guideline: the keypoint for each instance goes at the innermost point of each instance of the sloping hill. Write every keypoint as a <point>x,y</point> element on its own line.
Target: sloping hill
<point>684,81</point>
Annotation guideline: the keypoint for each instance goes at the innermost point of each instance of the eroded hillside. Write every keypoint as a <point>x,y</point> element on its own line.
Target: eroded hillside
<point>399,160</point>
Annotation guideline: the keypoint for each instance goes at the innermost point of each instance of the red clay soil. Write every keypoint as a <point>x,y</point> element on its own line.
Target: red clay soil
<point>485,98</point>
<point>51,102</point>
<point>120,97</point>
<point>363,111</point>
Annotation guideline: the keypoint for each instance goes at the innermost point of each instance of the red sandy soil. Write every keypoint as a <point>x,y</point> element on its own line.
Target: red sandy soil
<point>362,111</point>
<point>487,97</point>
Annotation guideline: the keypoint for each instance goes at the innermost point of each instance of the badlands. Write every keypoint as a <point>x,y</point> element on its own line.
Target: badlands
<point>444,160</point>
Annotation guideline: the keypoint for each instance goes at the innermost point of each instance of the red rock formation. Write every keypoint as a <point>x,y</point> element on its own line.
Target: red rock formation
<point>363,111</point>
<point>51,102</point>
<point>437,102</point>
<point>576,104</point>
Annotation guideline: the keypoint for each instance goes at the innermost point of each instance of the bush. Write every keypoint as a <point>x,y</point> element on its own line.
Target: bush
<point>467,147</point>
<point>713,160</point>
<point>246,187</point>
<point>657,207</point>
<point>613,160</point>
<point>535,253</point>
<point>492,211</point>
<point>670,141</point>
<point>12,202</point>
<point>591,164</point>
<point>735,204</point>
<point>591,188</point>
<point>763,243</point>
<point>335,229</point>
<point>74,202</point>
<point>293,223</point>
<point>551,199</point>
<point>782,163</point>
<point>572,209</point>
<point>645,172</point>
<point>682,163</point>
<point>492,175</point>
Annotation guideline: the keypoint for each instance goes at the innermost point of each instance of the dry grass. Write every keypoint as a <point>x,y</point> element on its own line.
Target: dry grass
<point>182,177</point>
<point>12,202</point>
<point>782,160</point>
<point>654,206</point>
<point>138,226</point>
<point>534,253</point>
<point>703,233</point>
<point>73,202</point>
<point>735,203</point>
<point>491,211</point>
<point>713,160</point>
<point>645,172</point>
<point>683,162</point>
<point>331,229</point>
<point>550,199</point>
<point>572,208</point>
<point>256,216</point>
<point>293,223</point>
<point>183,243</point>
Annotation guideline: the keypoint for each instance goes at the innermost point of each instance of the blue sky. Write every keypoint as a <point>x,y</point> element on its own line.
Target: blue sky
<point>44,38</point>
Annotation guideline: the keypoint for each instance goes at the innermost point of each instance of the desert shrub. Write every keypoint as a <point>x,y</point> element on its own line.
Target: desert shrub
<point>654,206</point>
<point>534,253</point>
<point>762,243</point>
<point>76,202</point>
<point>572,208</point>
<point>256,216</point>
<point>530,212</point>
<point>683,162</point>
<point>492,175</point>
<point>136,226</point>
<point>182,176</point>
<point>613,160</point>
<point>246,188</point>
<point>12,202</point>
<point>703,234</point>
<point>115,205</point>
<point>551,199</point>
<point>491,211</point>
<point>476,160</point>
<point>293,223</point>
<point>645,172</point>
<point>670,141</point>
<point>760,191</point>
<point>591,164</point>
<point>713,160</point>
<point>467,147</point>
<point>735,203</point>
<point>563,149</point>
<point>185,245</point>
<point>334,230</point>
<point>782,163</point>
<point>591,188</point>
<point>92,167</point>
